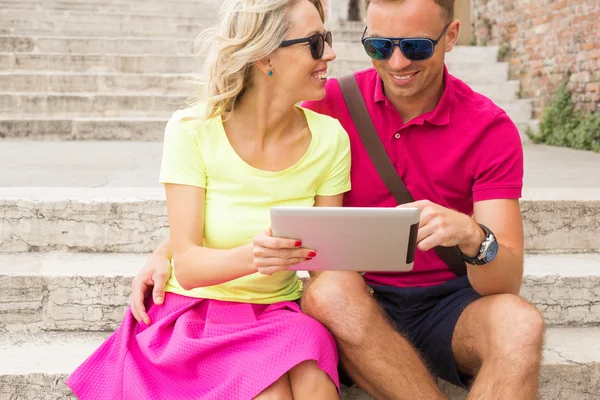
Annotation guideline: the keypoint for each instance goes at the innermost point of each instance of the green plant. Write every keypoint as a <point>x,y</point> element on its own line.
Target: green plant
<point>562,125</point>
<point>503,52</point>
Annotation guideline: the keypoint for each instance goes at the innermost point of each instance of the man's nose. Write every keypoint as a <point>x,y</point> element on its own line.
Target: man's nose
<point>397,61</point>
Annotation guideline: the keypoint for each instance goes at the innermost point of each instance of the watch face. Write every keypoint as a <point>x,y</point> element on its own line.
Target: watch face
<point>492,251</point>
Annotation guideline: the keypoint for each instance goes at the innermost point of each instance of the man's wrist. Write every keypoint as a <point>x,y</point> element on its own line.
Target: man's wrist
<point>476,237</point>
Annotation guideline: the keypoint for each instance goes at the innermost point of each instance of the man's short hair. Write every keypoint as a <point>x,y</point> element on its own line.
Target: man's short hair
<point>447,7</point>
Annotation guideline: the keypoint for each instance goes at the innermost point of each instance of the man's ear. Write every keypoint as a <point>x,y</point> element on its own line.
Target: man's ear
<point>452,35</point>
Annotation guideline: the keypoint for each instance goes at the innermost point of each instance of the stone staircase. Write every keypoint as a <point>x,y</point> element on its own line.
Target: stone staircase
<point>85,90</point>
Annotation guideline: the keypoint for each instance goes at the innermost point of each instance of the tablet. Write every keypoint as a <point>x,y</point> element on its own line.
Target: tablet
<point>351,239</point>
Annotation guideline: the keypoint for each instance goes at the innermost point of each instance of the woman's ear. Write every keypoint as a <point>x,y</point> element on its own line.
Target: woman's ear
<point>265,66</point>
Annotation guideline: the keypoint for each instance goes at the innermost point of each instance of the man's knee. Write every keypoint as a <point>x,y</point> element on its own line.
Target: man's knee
<point>521,329</point>
<point>342,302</point>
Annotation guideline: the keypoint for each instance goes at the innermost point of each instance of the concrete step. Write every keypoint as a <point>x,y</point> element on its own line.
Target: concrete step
<point>160,83</point>
<point>100,63</point>
<point>141,129</point>
<point>93,45</point>
<point>89,105</point>
<point>57,105</point>
<point>151,7</point>
<point>117,28</point>
<point>41,363</point>
<point>58,18</point>
<point>58,82</point>
<point>134,219</point>
<point>471,72</point>
<point>90,292</point>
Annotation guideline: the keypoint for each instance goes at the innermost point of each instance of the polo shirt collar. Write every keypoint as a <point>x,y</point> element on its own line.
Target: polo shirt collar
<point>441,113</point>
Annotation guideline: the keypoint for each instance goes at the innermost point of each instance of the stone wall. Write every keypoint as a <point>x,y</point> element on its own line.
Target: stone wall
<point>547,42</point>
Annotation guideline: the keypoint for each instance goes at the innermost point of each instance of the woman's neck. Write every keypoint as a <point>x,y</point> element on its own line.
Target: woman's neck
<point>262,116</point>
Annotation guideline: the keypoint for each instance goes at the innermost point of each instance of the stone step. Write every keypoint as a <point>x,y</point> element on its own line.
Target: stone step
<point>134,219</point>
<point>94,45</point>
<point>89,105</point>
<point>144,129</point>
<point>90,292</point>
<point>116,28</point>
<point>150,7</point>
<point>471,72</point>
<point>141,129</point>
<point>59,82</point>
<point>59,18</point>
<point>65,105</point>
<point>41,362</point>
<point>157,84</point>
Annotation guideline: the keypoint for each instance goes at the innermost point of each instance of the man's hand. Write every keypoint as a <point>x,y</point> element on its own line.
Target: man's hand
<point>440,226</point>
<point>155,274</point>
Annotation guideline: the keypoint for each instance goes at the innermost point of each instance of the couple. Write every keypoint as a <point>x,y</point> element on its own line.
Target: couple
<point>234,323</point>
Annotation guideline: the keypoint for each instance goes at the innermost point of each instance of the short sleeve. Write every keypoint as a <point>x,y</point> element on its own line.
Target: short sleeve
<point>182,162</point>
<point>498,162</point>
<point>338,178</point>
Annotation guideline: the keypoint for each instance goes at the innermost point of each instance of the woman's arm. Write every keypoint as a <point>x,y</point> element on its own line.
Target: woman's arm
<point>197,266</point>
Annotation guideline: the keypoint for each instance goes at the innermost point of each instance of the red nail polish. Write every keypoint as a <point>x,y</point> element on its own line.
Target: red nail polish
<point>298,243</point>
<point>312,254</point>
<point>308,258</point>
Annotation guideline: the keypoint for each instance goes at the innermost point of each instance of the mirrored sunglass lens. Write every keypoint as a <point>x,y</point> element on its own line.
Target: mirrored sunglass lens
<point>379,49</point>
<point>416,49</point>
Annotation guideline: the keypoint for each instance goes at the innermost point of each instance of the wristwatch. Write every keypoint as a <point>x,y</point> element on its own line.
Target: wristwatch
<point>487,251</point>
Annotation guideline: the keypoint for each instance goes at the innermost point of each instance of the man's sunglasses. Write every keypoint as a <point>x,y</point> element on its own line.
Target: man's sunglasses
<point>414,49</point>
<point>316,43</point>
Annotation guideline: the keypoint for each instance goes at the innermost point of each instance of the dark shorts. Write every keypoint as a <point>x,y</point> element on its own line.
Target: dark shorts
<point>427,318</point>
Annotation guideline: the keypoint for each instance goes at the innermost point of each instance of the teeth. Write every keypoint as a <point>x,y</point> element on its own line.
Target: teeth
<point>404,77</point>
<point>322,75</point>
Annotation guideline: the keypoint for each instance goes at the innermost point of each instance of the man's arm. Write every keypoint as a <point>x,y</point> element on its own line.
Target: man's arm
<point>505,273</point>
<point>440,226</point>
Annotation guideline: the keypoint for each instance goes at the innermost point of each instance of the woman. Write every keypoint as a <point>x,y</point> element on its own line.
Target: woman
<point>230,326</point>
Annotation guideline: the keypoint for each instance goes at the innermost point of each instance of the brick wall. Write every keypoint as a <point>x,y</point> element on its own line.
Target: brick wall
<point>547,42</point>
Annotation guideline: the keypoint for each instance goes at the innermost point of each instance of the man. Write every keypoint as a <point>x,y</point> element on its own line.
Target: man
<point>461,158</point>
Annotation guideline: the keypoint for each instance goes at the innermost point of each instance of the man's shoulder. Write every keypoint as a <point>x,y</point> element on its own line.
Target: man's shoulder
<point>472,102</point>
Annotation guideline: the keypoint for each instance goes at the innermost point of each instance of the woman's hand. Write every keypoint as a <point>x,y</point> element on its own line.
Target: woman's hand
<point>155,274</point>
<point>274,254</point>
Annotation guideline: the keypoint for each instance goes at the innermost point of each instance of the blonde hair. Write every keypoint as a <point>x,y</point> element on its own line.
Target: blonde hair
<point>248,31</point>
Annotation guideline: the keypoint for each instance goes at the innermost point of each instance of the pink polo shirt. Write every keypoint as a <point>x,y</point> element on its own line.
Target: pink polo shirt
<point>464,151</point>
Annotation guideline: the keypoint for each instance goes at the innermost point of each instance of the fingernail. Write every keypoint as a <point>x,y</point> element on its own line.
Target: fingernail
<point>159,299</point>
<point>298,243</point>
<point>312,254</point>
<point>308,258</point>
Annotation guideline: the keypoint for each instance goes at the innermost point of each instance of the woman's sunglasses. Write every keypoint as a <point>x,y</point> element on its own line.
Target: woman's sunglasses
<point>414,49</point>
<point>316,43</point>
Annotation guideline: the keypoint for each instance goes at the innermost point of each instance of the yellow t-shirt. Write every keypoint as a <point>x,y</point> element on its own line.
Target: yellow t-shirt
<point>239,197</point>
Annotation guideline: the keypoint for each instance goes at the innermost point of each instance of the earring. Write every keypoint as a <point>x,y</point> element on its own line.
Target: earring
<point>270,73</point>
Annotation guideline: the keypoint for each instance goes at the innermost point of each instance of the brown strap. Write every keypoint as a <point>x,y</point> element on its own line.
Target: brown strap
<point>364,125</point>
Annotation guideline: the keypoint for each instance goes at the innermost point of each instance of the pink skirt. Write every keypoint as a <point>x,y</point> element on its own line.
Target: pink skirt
<point>203,349</point>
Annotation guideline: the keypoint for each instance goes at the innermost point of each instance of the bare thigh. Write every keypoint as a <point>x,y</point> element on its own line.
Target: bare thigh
<point>310,382</point>
<point>492,326</point>
<point>280,390</point>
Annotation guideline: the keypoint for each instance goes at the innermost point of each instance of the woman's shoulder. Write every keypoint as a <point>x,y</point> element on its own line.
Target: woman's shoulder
<point>324,126</point>
<point>190,121</point>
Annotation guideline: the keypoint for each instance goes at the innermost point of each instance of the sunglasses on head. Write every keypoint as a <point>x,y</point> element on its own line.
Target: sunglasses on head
<point>414,49</point>
<point>316,43</point>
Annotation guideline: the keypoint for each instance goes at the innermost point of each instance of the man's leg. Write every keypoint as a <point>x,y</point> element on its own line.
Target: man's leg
<point>499,339</point>
<point>378,358</point>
